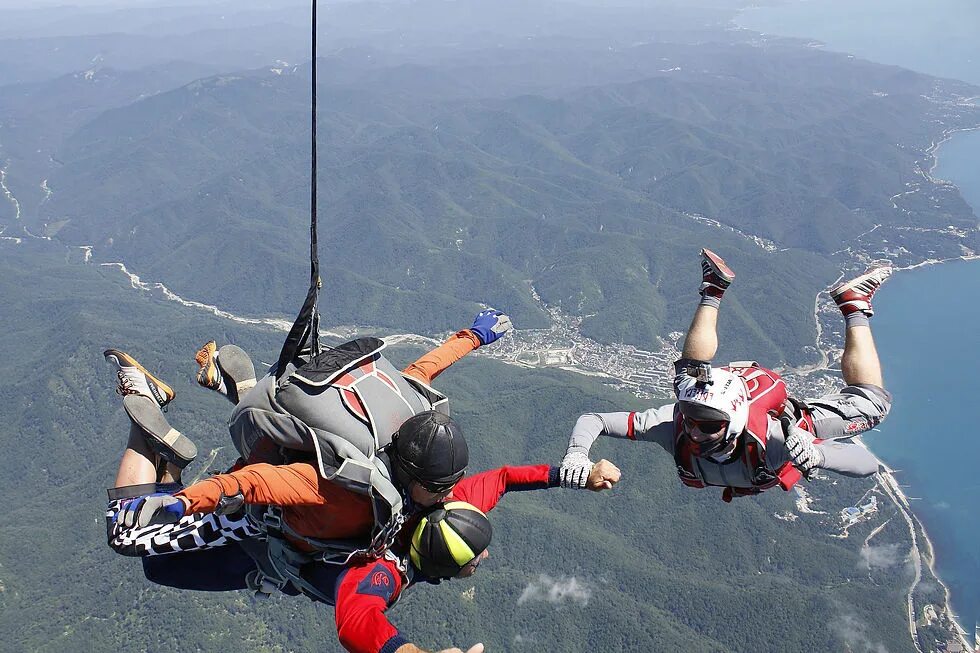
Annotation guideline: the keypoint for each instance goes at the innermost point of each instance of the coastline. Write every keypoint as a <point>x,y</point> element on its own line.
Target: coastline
<point>933,153</point>
<point>922,551</point>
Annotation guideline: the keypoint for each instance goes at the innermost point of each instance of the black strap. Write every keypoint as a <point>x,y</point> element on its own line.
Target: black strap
<point>306,328</point>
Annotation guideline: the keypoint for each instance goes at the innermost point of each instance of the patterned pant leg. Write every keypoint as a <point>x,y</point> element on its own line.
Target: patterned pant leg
<point>193,532</point>
<point>853,410</point>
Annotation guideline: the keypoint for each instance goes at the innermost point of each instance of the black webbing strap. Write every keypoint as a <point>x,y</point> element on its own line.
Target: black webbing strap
<point>306,328</point>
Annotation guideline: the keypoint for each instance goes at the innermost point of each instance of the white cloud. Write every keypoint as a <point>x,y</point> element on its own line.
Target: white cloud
<point>881,557</point>
<point>854,632</point>
<point>556,590</point>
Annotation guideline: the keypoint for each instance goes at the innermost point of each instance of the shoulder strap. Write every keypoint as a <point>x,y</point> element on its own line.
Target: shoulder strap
<point>683,456</point>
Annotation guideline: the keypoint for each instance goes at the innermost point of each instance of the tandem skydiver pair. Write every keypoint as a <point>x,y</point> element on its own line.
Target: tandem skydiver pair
<point>309,509</point>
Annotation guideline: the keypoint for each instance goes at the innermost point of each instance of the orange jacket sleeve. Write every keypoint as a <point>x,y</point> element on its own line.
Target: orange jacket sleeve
<point>261,484</point>
<point>431,365</point>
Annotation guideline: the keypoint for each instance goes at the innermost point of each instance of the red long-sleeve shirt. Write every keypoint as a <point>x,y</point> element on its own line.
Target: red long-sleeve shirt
<point>367,590</point>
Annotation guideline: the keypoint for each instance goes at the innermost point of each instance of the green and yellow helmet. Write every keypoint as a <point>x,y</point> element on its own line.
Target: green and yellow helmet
<point>448,537</point>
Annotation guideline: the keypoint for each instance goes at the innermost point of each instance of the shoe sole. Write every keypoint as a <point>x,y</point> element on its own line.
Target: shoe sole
<point>720,267</point>
<point>237,366</point>
<point>881,274</point>
<point>172,445</point>
<point>125,360</point>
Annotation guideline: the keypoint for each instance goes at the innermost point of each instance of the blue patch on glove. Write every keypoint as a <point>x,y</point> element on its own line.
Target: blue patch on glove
<point>489,325</point>
<point>156,508</point>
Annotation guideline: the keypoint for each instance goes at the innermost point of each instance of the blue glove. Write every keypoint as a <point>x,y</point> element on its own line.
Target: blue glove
<point>489,325</point>
<point>157,508</point>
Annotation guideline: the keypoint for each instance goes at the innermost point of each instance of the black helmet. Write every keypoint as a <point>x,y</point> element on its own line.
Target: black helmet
<point>449,537</point>
<point>429,448</point>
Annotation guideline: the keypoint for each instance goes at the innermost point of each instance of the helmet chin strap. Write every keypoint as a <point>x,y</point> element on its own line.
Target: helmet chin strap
<point>724,450</point>
<point>720,446</point>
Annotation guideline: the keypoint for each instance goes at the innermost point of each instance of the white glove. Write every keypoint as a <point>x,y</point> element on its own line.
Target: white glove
<point>575,470</point>
<point>804,455</point>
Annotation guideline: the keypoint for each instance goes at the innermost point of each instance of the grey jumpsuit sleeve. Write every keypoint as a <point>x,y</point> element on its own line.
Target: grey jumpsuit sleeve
<point>653,425</point>
<point>841,456</point>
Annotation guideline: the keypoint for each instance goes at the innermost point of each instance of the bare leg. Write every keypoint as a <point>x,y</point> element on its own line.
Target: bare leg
<point>169,474</point>
<point>860,363</point>
<point>140,464</point>
<point>701,342</point>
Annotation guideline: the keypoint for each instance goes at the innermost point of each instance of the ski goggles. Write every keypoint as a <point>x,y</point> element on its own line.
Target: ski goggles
<point>705,426</point>
<point>437,487</point>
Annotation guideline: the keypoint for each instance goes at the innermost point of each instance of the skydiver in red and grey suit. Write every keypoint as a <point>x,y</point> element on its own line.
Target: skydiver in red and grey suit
<point>734,426</point>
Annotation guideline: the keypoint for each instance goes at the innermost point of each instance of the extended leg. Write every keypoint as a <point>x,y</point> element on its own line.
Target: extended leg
<point>859,363</point>
<point>701,341</point>
<point>155,452</point>
<point>864,402</point>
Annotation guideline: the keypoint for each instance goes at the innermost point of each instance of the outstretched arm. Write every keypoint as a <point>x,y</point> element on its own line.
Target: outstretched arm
<point>364,594</point>
<point>653,425</point>
<point>259,484</point>
<point>485,489</point>
<point>488,326</point>
<point>434,363</point>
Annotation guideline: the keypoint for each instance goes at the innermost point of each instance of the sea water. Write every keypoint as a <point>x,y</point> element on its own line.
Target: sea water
<point>927,321</point>
<point>938,37</point>
<point>927,328</point>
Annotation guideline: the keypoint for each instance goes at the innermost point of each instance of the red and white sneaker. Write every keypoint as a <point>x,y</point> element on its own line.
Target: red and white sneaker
<point>855,295</point>
<point>715,274</point>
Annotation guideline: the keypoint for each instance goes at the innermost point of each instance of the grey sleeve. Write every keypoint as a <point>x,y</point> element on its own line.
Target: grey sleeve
<point>655,424</point>
<point>847,458</point>
<point>843,457</point>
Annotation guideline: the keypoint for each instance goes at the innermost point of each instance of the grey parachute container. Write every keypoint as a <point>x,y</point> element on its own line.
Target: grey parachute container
<point>344,405</point>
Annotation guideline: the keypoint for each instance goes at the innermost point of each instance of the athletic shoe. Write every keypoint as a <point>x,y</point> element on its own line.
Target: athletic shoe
<point>209,376</point>
<point>855,295</point>
<point>715,274</point>
<point>237,369</point>
<point>228,370</point>
<point>134,379</point>
<point>169,443</point>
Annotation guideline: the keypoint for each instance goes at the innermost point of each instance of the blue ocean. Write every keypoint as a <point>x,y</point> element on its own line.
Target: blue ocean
<point>938,37</point>
<point>927,321</point>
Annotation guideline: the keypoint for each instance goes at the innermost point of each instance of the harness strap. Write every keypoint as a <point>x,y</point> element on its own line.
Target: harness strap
<point>306,328</point>
<point>338,552</point>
